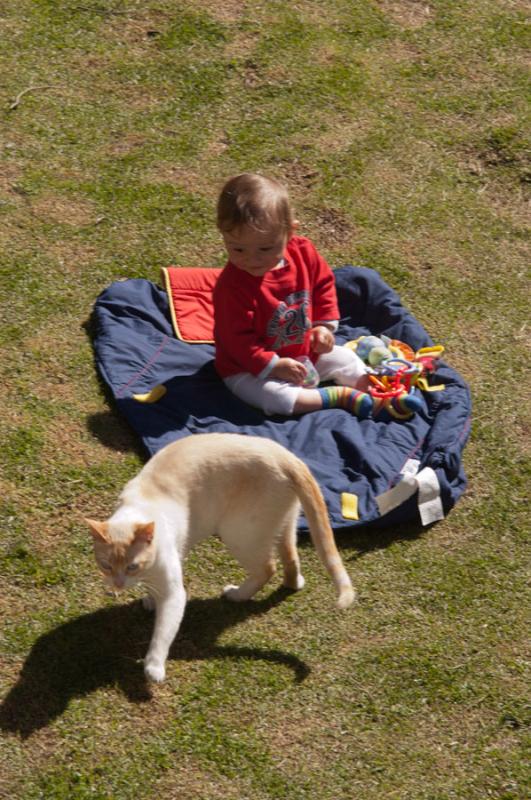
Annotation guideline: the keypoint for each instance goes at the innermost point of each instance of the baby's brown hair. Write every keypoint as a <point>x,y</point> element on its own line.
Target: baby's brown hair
<point>254,201</point>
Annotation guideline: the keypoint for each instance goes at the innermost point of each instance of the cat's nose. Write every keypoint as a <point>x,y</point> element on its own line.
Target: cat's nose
<point>119,581</point>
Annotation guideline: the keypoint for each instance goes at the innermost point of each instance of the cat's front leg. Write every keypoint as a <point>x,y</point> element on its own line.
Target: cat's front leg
<point>168,615</point>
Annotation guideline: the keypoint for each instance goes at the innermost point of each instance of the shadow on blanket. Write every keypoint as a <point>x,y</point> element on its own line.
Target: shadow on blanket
<point>104,648</point>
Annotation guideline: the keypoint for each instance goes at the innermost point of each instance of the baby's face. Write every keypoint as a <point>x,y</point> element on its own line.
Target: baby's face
<point>255,252</point>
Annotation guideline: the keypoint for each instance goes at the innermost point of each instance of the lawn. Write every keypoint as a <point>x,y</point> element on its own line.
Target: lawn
<point>401,128</point>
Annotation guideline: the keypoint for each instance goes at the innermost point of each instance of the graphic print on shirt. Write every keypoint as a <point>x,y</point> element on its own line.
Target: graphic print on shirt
<point>289,323</point>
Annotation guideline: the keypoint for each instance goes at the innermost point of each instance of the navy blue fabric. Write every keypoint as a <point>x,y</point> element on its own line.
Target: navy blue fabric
<point>135,349</point>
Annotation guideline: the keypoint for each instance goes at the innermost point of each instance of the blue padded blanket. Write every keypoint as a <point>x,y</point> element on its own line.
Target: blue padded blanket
<point>136,349</point>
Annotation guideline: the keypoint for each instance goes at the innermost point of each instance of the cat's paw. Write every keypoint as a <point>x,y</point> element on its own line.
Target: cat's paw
<point>296,583</point>
<point>154,672</point>
<point>148,603</point>
<point>232,592</point>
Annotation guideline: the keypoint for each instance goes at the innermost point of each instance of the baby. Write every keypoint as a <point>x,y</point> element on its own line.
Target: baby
<point>276,302</point>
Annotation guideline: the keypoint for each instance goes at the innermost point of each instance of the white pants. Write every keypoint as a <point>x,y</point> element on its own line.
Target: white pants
<point>341,365</point>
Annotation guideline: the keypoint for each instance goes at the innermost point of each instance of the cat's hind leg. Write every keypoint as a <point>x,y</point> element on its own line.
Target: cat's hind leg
<point>251,584</point>
<point>287,550</point>
<point>253,547</point>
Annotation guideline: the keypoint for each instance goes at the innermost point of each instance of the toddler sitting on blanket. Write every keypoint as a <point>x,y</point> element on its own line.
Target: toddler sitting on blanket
<point>275,302</point>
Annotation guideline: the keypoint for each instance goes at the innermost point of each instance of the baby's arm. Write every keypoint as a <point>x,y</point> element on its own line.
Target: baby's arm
<point>322,340</point>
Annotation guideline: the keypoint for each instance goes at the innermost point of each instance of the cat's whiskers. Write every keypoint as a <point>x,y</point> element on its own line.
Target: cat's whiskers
<point>154,591</point>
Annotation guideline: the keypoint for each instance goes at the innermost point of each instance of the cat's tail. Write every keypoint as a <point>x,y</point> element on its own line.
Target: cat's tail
<point>314,508</point>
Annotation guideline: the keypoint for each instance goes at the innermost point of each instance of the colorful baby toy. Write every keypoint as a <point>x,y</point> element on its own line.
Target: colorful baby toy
<point>394,371</point>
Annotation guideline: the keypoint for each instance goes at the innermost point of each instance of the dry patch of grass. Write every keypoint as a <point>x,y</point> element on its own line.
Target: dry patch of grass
<point>185,778</point>
<point>409,14</point>
<point>74,257</point>
<point>137,29</point>
<point>332,230</point>
<point>124,144</point>
<point>57,209</point>
<point>233,11</point>
<point>9,176</point>
<point>183,177</point>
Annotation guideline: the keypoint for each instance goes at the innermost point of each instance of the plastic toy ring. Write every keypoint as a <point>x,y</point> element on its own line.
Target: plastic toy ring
<point>402,366</point>
<point>388,393</point>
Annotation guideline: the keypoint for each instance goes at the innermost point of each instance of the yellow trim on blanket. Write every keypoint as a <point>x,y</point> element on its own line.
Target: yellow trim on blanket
<point>152,396</point>
<point>165,277</point>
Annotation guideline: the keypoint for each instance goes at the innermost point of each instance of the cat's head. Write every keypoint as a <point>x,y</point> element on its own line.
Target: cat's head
<point>124,558</point>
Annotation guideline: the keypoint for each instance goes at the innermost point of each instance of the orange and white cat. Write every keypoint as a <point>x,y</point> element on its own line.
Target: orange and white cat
<point>246,489</point>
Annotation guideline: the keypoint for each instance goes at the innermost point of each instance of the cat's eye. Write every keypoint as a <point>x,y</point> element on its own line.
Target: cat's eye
<point>132,567</point>
<point>105,566</point>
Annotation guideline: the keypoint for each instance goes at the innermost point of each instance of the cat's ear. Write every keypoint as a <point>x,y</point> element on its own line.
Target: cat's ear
<point>145,533</point>
<point>98,530</point>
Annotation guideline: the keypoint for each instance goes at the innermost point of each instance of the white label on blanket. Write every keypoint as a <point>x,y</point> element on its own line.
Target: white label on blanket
<point>429,496</point>
<point>397,495</point>
<point>411,467</point>
<point>430,505</point>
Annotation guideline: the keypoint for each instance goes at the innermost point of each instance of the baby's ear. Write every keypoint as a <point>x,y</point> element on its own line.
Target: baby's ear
<point>99,530</point>
<point>145,532</point>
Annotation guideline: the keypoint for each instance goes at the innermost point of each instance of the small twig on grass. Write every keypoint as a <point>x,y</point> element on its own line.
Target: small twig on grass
<point>97,221</point>
<point>15,104</point>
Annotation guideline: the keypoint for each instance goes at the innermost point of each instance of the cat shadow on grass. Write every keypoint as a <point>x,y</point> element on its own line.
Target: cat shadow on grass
<point>358,542</point>
<point>105,648</point>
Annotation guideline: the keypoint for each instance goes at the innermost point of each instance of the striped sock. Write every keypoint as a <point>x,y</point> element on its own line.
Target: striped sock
<point>404,406</point>
<point>358,403</point>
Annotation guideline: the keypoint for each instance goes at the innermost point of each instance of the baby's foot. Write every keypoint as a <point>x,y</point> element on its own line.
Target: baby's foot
<point>358,403</point>
<point>405,405</point>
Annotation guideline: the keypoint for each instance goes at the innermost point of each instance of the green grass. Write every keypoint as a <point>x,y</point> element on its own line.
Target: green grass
<point>402,132</point>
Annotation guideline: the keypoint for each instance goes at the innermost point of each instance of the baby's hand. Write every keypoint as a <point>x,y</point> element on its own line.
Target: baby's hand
<point>322,340</point>
<point>287,369</point>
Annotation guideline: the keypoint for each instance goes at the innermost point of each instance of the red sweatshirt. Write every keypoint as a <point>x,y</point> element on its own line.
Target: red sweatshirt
<point>259,319</point>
